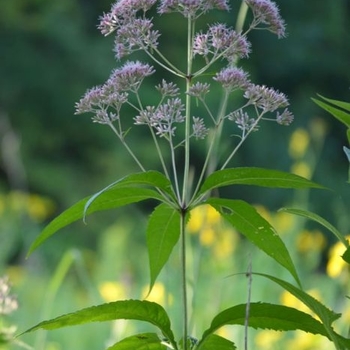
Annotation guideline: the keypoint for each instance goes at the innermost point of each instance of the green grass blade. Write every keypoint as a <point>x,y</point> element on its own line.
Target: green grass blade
<point>255,176</point>
<point>252,225</point>
<point>163,232</point>
<point>312,216</point>
<point>126,309</point>
<point>110,199</point>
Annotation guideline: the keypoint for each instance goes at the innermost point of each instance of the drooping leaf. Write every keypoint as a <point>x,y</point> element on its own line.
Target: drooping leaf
<point>143,341</point>
<point>163,232</point>
<point>255,176</point>
<point>252,225</point>
<point>326,315</point>
<point>215,342</point>
<point>126,309</point>
<point>312,216</point>
<point>149,178</point>
<point>268,316</point>
<point>113,198</point>
<point>341,115</point>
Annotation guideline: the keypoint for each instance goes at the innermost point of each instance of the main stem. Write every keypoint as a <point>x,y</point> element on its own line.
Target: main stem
<point>185,188</point>
<point>183,279</point>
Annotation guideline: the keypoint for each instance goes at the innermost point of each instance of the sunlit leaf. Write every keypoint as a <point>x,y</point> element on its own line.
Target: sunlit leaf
<point>163,232</point>
<point>126,309</point>
<point>149,178</point>
<point>113,198</point>
<point>255,176</point>
<point>268,316</point>
<point>143,341</point>
<point>312,216</point>
<point>251,224</point>
<point>215,342</point>
<point>326,315</point>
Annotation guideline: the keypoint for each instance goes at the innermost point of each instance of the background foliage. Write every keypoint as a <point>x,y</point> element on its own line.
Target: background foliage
<point>50,53</point>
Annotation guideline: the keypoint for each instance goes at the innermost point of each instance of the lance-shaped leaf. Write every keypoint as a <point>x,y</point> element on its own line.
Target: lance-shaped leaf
<point>163,232</point>
<point>252,225</point>
<point>112,198</point>
<point>312,216</point>
<point>326,315</point>
<point>149,178</point>
<point>338,113</point>
<point>215,342</point>
<point>268,316</point>
<point>126,309</point>
<point>143,341</point>
<point>255,176</point>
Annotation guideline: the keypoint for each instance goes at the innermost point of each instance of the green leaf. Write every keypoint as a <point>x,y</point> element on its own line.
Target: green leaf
<point>342,116</point>
<point>126,309</point>
<point>251,224</point>
<point>113,198</point>
<point>347,152</point>
<point>255,176</point>
<point>268,316</point>
<point>340,104</point>
<point>215,342</point>
<point>143,341</point>
<point>148,178</point>
<point>346,255</point>
<point>326,315</point>
<point>312,216</point>
<point>163,232</point>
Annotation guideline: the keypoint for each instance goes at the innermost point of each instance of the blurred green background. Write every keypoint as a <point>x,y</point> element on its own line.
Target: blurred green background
<point>51,52</point>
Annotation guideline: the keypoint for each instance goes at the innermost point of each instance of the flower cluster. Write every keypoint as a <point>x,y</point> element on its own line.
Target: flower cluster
<point>265,98</point>
<point>267,13</point>
<point>221,41</point>
<point>114,93</point>
<point>133,33</point>
<point>8,303</point>
<point>232,78</point>
<point>192,8</point>
<point>243,121</point>
<point>162,118</point>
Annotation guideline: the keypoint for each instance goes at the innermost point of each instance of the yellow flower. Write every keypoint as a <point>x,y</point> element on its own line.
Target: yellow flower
<point>265,339</point>
<point>310,241</point>
<point>39,208</point>
<point>336,264</point>
<point>112,291</point>
<point>301,169</point>
<point>299,143</point>
<point>158,294</point>
<point>290,300</point>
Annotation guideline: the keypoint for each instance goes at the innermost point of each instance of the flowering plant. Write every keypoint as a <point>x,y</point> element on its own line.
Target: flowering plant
<point>175,124</point>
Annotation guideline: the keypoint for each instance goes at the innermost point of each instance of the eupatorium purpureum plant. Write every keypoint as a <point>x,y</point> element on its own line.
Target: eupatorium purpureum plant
<point>181,117</point>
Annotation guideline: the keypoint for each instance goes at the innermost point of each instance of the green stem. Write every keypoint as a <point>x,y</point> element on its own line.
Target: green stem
<point>127,147</point>
<point>190,31</point>
<point>241,17</point>
<point>184,278</point>
<point>243,138</point>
